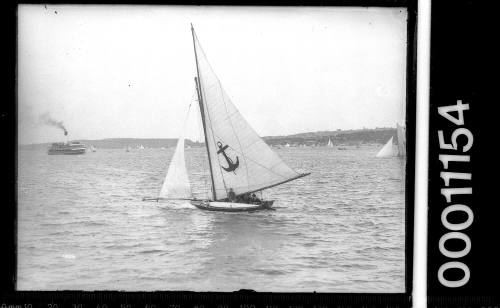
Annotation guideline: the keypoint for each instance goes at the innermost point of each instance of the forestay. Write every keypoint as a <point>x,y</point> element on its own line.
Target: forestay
<point>239,158</point>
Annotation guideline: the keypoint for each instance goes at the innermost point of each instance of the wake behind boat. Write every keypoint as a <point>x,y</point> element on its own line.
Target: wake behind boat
<point>240,162</point>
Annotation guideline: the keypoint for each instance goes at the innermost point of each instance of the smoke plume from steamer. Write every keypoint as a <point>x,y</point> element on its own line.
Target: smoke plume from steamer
<point>48,120</point>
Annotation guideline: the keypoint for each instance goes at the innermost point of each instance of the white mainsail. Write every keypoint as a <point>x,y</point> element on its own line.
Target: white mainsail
<point>176,183</point>
<point>239,158</point>
<point>330,144</point>
<point>387,150</point>
<point>401,133</point>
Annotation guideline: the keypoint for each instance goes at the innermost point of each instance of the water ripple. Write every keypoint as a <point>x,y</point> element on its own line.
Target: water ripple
<point>82,225</point>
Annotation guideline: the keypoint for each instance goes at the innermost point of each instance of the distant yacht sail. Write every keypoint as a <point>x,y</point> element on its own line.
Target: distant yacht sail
<point>387,150</point>
<point>330,144</point>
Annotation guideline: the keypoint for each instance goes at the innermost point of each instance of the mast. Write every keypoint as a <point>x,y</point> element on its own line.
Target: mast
<point>200,101</point>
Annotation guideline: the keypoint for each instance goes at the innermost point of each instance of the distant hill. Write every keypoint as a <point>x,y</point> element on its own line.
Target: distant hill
<point>338,137</point>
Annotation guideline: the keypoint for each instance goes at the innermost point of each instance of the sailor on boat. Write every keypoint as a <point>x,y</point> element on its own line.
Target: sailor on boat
<point>231,195</point>
<point>254,199</point>
<point>246,198</point>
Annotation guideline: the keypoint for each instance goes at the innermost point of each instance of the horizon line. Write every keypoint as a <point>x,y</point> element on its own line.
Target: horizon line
<point>175,138</point>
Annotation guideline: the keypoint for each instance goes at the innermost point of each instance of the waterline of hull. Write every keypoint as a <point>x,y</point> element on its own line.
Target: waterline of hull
<point>71,152</point>
<point>231,206</point>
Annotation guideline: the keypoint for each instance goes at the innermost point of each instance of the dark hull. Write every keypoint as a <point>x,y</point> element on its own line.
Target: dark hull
<point>66,152</point>
<point>205,205</point>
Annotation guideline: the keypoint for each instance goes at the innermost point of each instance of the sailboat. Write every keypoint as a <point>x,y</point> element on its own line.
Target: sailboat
<point>330,144</point>
<point>240,162</point>
<point>388,150</point>
<point>399,149</point>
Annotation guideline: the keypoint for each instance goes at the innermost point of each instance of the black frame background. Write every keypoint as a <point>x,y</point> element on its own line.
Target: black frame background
<point>463,59</point>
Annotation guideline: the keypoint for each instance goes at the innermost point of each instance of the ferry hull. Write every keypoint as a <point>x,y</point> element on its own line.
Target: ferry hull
<point>67,148</point>
<point>231,206</point>
<point>66,152</point>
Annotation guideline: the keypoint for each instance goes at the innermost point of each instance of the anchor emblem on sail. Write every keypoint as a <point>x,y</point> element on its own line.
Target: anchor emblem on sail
<point>231,166</point>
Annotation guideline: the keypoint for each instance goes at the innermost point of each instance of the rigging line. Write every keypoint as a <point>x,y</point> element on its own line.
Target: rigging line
<point>256,162</point>
<point>185,121</point>
<point>202,107</point>
<point>267,168</point>
<point>189,108</point>
<point>234,131</point>
<point>275,184</point>
<point>182,136</point>
<point>201,137</point>
<point>218,159</point>
<point>217,77</point>
<point>220,86</point>
<point>208,113</point>
<point>268,183</point>
<point>184,130</point>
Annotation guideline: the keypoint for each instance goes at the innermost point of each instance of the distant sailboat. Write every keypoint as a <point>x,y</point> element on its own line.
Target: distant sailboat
<point>127,149</point>
<point>240,162</point>
<point>399,149</point>
<point>141,147</point>
<point>330,143</point>
<point>387,150</point>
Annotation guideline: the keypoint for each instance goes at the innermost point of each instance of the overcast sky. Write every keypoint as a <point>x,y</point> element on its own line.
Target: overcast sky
<point>127,71</point>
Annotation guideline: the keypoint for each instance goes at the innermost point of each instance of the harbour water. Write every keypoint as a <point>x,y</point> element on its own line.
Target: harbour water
<point>82,225</point>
